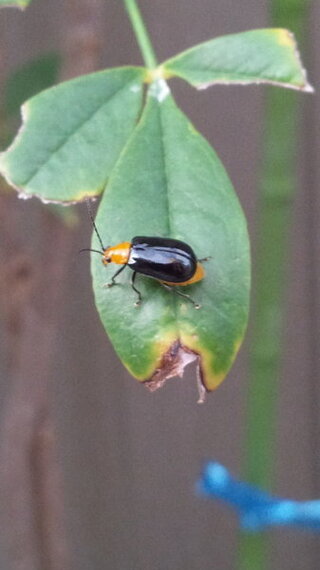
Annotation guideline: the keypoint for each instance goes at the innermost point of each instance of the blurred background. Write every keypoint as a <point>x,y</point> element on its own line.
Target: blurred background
<point>96,471</point>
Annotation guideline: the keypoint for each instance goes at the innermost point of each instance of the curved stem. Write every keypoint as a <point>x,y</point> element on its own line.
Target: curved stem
<point>141,33</point>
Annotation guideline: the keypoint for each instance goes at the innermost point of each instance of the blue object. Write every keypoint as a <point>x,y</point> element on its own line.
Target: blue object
<point>257,509</point>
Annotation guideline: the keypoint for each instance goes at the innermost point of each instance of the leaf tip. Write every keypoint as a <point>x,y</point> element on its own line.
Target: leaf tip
<point>285,37</point>
<point>173,363</point>
<point>308,88</point>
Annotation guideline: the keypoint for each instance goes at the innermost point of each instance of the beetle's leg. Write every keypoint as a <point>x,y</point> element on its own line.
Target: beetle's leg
<point>113,281</point>
<point>205,258</point>
<point>138,302</point>
<point>184,295</point>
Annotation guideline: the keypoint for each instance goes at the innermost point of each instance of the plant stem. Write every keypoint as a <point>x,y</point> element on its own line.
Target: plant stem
<point>141,33</point>
<point>276,200</point>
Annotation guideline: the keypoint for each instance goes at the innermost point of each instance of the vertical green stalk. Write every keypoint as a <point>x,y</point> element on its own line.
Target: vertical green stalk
<point>276,198</point>
<point>141,33</point>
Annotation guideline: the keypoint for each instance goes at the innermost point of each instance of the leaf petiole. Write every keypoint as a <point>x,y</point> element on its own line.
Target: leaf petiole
<point>141,33</point>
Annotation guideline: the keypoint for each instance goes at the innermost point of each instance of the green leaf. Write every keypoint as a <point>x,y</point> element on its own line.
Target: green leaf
<point>30,79</point>
<point>14,3</point>
<point>73,134</point>
<point>257,56</point>
<point>169,182</point>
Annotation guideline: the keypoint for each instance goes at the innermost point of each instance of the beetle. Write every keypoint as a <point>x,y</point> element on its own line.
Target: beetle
<point>170,261</point>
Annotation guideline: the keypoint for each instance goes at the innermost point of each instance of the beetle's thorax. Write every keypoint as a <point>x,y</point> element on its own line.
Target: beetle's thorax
<point>117,254</point>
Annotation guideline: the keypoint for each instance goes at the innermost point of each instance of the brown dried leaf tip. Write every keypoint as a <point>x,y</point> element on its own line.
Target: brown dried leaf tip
<point>173,363</point>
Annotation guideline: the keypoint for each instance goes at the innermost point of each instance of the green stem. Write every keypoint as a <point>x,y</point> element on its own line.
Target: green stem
<point>141,33</point>
<point>276,199</point>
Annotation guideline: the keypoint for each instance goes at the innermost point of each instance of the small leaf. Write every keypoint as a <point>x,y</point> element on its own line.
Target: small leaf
<point>257,56</point>
<point>173,185</point>
<point>14,3</point>
<point>72,135</point>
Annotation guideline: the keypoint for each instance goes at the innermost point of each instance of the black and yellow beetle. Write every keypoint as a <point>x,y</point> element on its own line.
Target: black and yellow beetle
<point>170,261</point>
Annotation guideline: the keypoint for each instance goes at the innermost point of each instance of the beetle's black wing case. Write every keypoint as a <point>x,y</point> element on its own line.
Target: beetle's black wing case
<point>164,259</point>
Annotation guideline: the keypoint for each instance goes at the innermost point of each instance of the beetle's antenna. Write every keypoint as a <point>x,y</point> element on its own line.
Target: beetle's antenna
<point>94,225</point>
<point>94,250</point>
